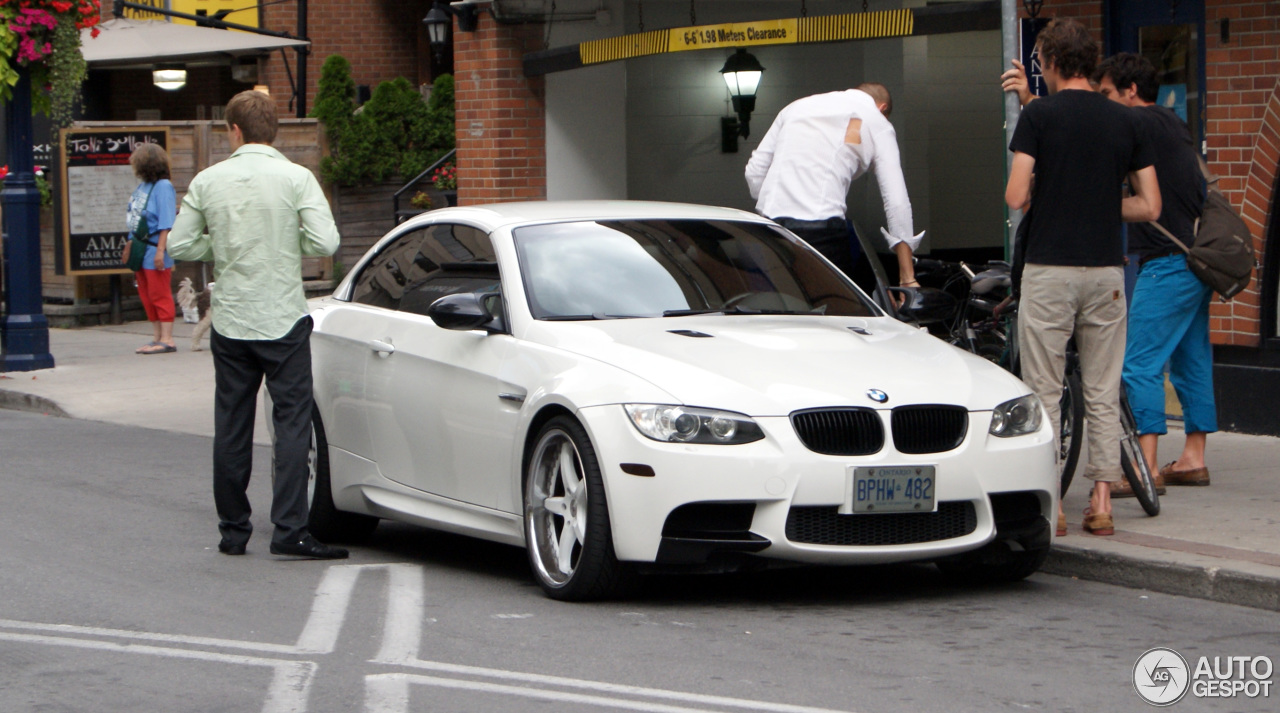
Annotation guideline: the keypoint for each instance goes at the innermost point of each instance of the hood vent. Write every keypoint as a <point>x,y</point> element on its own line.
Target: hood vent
<point>690,333</point>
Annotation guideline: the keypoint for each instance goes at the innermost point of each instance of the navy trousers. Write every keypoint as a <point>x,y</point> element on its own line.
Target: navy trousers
<point>239,366</point>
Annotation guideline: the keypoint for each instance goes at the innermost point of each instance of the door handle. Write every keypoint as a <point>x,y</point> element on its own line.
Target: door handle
<point>384,349</point>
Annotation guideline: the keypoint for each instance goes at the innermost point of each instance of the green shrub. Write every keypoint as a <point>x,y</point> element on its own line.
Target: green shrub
<point>335,98</point>
<point>394,135</point>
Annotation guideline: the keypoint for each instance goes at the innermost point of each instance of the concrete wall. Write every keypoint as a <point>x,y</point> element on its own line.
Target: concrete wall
<point>947,114</point>
<point>587,118</point>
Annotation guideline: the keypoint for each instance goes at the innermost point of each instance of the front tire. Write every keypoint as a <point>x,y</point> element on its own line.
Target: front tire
<point>325,520</point>
<point>1071,410</point>
<point>993,564</point>
<point>566,517</point>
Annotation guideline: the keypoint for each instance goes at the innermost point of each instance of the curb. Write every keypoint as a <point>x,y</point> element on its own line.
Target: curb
<point>1213,583</point>
<point>18,401</point>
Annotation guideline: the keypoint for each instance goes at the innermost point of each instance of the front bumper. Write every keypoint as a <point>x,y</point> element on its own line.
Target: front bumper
<point>778,479</point>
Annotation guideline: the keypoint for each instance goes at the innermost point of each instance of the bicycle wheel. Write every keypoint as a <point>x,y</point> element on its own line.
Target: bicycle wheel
<point>1072,427</point>
<point>1134,464</point>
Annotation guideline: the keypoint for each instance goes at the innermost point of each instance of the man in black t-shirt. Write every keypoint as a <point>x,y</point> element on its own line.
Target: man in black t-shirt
<point>1080,147</point>
<point>1169,316</point>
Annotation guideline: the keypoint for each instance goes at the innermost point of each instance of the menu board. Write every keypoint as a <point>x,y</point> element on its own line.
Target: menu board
<point>98,181</point>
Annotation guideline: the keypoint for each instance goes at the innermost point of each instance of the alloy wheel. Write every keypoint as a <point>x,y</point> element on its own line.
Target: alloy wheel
<point>556,503</point>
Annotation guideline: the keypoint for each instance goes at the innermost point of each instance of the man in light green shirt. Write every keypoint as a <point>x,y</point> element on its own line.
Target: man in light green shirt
<point>263,214</point>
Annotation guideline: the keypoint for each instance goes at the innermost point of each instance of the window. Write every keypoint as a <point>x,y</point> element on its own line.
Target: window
<point>421,266</point>
<point>654,268</point>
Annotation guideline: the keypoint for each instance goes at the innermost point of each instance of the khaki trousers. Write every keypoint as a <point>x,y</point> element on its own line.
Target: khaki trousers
<point>1057,302</point>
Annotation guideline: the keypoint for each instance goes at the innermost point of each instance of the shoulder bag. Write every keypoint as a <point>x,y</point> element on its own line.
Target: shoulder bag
<point>1222,254</point>
<point>138,242</point>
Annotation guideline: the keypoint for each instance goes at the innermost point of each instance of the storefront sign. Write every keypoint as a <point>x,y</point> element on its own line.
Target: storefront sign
<point>97,182</point>
<point>1029,30</point>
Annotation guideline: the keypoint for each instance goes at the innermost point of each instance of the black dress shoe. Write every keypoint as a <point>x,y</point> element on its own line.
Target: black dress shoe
<point>309,548</point>
<point>229,548</point>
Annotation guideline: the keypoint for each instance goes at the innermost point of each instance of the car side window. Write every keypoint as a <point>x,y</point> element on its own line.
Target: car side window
<point>407,274</point>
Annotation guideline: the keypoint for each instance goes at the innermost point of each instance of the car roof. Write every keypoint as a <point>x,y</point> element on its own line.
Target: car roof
<point>495,215</point>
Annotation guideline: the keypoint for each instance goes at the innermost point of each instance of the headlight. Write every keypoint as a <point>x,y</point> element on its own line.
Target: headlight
<point>682,424</point>
<point>1017,417</point>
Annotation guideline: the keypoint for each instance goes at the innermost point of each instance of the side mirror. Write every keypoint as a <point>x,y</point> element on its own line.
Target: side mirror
<point>463,312</point>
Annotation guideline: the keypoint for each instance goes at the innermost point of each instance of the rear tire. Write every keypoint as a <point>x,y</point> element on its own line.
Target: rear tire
<point>566,517</point>
<point>325,521</point>
<point>1134,463</point>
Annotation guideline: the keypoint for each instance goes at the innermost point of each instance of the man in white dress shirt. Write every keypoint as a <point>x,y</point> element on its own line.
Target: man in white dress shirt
<point>816,147</point>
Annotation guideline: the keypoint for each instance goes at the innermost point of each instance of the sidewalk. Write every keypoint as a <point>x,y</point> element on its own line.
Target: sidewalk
<point>1221,542</point>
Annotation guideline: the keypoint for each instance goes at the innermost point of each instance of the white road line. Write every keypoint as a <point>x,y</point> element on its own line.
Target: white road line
<point>333,601</point>
<point>389,693</point>
<point>143,636</point>
<point>402,632</point>
<point>386,693</point>
<point>328,609</point>
<point>290,683</point>
<point>615,688</point>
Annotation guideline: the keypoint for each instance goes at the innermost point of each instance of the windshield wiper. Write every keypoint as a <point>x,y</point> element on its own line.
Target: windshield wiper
<point>690,312</point>
<point>585,317</point>
<point>736,309</point>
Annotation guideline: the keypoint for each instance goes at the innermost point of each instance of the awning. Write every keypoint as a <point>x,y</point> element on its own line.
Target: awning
<point>123,42</point>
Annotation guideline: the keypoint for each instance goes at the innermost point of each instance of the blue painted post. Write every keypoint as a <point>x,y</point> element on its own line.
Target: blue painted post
<point>24,331</point>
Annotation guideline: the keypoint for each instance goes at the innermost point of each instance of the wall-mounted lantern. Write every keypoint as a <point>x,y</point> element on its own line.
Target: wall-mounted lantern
<point>439,20</point>
<point>741,72</point>
<point>170,77</point>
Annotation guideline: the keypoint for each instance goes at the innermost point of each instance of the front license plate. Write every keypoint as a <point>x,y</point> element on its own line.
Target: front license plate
<point>907,488</point>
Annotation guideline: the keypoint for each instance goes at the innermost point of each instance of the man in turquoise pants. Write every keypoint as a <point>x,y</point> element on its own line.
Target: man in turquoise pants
<point>1169,316</point>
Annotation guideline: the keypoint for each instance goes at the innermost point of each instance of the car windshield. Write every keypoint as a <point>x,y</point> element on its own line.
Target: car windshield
<point>671,268</point>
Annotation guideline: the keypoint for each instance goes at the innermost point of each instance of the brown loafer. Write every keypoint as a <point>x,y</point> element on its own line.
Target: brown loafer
<point>1098,523</point>
<point>1122,489</point>
<point>1195,476</point>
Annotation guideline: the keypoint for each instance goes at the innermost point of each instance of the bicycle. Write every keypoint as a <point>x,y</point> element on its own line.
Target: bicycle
<point>983,320</point>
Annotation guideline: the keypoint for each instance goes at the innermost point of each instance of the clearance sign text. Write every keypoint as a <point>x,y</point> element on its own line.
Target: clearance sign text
<point>734,34</point>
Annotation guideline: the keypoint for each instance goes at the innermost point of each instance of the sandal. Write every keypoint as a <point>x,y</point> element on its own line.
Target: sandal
<point>160,348</point>
<point>145,347</point>
<point>1098,524</point>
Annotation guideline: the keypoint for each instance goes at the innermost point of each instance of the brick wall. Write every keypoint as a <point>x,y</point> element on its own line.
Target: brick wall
<point>1243,128</point>
<point>383,39</point>
<point>501,119</point>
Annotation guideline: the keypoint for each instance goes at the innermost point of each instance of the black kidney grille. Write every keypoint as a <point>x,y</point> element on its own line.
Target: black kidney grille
<point>929,429</point>
<point>840,432</point>
<point>822,525</point>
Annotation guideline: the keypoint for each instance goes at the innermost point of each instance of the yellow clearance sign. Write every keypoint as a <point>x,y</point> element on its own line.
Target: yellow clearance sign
<point>826,28</point>
<point>734,34</point>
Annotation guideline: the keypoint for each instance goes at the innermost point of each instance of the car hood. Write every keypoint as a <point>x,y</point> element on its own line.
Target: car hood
<point>765,365</point>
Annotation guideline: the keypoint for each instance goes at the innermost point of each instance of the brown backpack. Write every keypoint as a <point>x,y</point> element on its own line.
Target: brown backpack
<point>1222,255</point>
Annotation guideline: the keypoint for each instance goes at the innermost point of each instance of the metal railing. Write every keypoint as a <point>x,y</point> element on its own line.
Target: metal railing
<point>395,197</point>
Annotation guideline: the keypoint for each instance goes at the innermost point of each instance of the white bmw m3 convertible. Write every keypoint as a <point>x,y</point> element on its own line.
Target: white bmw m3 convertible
<point>622,387</point>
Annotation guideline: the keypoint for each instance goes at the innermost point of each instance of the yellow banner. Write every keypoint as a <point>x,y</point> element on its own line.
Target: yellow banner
<point>734,34</point>
<point>241,13</point>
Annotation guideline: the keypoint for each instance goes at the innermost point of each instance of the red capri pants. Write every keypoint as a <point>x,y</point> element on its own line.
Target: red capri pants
<point>157,300</point>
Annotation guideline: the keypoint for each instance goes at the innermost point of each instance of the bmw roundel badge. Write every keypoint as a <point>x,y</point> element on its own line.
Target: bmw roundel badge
<point>877,395</point>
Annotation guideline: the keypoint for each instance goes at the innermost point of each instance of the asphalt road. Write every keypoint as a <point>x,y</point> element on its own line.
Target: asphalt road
<point>113,597</point>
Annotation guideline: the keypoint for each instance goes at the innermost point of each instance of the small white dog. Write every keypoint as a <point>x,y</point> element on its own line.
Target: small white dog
<point>188,298</point>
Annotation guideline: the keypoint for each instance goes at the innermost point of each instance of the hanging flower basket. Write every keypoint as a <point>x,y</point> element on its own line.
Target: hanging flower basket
<point>44,37</point>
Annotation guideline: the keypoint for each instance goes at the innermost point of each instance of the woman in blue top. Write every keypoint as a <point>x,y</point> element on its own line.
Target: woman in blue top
<point>156,196</point>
